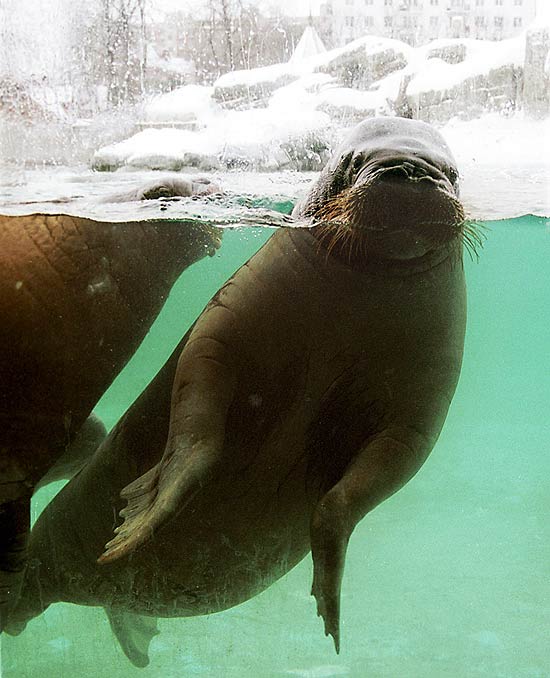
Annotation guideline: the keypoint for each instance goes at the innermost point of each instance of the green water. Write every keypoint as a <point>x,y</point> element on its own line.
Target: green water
<point>450,578</point>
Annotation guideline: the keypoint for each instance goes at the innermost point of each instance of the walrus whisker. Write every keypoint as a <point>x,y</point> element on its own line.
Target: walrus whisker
<point>337,237</point>
<point>473,237</point>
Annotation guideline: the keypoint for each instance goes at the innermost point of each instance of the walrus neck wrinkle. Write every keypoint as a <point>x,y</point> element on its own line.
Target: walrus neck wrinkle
<point>309,245</point>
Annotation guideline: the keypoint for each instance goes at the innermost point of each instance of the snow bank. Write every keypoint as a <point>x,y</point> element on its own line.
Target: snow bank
<point>184,104</point>
<point>291,115</point>
<point>270,139</point>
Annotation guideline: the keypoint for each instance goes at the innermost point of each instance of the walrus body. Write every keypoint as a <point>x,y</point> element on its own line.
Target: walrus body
<point>312,387</point>
<point>77,297</point>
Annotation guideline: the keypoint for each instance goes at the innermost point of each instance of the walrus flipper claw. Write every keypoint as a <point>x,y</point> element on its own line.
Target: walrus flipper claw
<point>382,467</point>
<point>160,494</point>
<point>328,546</point>
<point>203,390</point>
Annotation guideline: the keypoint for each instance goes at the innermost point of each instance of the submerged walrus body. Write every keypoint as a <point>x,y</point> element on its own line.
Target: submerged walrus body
<point>77,297</point>
<point>313,386</point>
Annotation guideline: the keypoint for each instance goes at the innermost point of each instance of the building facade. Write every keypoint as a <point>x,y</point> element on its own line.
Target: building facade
<point>419,21</point>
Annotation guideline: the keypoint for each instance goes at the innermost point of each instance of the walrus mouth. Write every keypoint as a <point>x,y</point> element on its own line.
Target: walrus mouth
<point>398,207</point>
<point>415,169</point>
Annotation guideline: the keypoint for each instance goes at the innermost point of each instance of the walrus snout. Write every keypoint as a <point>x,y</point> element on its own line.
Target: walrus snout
<point>391,192</point>
<point>409,169</point>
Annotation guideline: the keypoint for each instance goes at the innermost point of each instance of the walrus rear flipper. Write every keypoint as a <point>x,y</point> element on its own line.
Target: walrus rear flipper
<point>14,534</point>
<point>203,390</point>
<point>134,633</point>
<point>381,468</point>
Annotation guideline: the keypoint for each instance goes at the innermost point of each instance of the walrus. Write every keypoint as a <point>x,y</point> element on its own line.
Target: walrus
<point>312,387</point>
<point>77,297</point>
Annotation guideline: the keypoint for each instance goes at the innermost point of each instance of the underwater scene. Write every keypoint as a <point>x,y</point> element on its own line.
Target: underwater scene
<point>448,577</point>
<point>274,339</point>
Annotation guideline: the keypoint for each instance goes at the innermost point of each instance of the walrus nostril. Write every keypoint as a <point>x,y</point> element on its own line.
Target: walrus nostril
<point>407,170</point>
<point>395,173</point>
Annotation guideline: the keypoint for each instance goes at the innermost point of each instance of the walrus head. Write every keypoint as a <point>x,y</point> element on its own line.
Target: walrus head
<point>390,192</point>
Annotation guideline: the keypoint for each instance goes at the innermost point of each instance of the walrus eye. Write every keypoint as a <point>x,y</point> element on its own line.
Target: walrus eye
<point>453,175</point>
<point>357,163</point>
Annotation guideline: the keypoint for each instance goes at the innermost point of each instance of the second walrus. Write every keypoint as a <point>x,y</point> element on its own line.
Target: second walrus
<point>312,387</point>
<point>77,297</point>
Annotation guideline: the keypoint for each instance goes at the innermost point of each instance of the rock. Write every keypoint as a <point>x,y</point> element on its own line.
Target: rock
<point>498,90</point>
<point>365,61</point>
<point>536,81</point>
<point>251,89</point>
<point>451,53</point>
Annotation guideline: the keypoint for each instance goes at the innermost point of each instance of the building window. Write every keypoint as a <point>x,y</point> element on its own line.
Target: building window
<point>388,2</point>
<point>349,2</point>
<point>517,22</point>
<point>369,2</point>
<point>499,21</point>
<point>434,21</point>
<point>349,21</point>
<point>518,2</point>
<point>410,21</point>
<point>388,21</point>
<point>369,21</point>
<point>434,2</point>
<point>480,21</point>
<point>480,3</point>
<point>499,2</point>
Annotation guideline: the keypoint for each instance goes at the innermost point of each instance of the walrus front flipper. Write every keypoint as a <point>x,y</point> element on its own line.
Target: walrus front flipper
<point>381,468</point>
<point>203,390</point>
<point>89,437</point>
<point>134,633</point>
<point>14,534</point>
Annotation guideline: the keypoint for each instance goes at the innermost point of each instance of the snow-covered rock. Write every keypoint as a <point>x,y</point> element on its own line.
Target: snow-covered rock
<point>260,139</point>
<point>536,72</point>
<point>486,78</point>
<point>245,88</point>
<point>349,105</point>
<point>184,104</point>
<point>290,115</point>
<point>364,61</point>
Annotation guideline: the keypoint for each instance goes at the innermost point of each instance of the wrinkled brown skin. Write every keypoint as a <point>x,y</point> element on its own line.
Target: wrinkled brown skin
<point>307,392</point>
<point>77,297</point>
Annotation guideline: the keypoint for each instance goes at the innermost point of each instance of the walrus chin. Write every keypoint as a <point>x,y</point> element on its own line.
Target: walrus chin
<point>398,210</point>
